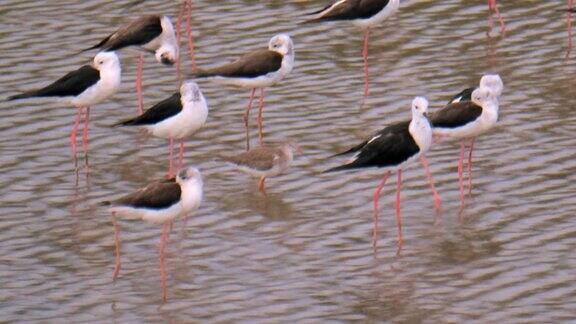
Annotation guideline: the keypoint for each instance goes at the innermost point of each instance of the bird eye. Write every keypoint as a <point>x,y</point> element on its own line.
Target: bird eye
<point>183,174</point>
<point>100,62</point>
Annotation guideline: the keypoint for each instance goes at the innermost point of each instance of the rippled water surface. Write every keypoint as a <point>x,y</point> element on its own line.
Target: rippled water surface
<point>304,253</point>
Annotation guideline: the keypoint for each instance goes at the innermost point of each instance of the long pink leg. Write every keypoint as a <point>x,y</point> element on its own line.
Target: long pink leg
<point>85,130</point>
<point>470,166</point>
<point>398,217</point>
<point>189,34</point>
<point>181,155</point>
<point>460,173</point>
<point>375,198</point>
<point>260,119</point>
<point>139,73</point>
<point>246,118</point>
<point>492,5</point>
<point>162,260</point>
<point>365,55</point>
<point>118,264</point>
<point>170,163</point>
<point>178,32</point>
<point>74,132</point>
<point>437,199</point>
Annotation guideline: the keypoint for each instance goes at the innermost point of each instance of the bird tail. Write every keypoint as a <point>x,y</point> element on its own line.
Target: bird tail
<point>89,48</point>
<point>317,15</point>
<point>127,122</point>
<point>351,150</point>
<point>200,73</point>
<point>340,168</point>
<point>21,96</point>
<point>99,45</point>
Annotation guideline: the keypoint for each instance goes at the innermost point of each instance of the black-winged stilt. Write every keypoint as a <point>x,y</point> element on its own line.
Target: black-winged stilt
<point>176,117</point>
<point>84,87</point>
<point>259,69</point>
<point>395,147</point>
<point>365,14</point>
<point>159,202</point>
<point>468,119</point>
<point>152,33</point>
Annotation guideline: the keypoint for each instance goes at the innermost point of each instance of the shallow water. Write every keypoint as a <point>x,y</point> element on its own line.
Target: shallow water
<point>303,254</point>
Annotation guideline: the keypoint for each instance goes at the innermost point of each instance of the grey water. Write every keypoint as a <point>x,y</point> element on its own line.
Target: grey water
<point>303,253</point>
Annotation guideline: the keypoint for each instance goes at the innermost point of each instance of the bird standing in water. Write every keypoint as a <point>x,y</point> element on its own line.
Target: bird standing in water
<point>159,202</point>
<point>395,147</point>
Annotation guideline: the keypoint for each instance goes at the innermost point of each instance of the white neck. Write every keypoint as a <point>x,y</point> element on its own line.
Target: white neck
<point>421,131</point>
<point>490,111</point>
<point>191,195</point>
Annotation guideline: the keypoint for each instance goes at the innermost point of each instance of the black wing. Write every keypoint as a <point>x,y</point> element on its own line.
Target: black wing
<point>137,33</point>
<point>393,128</point>
<point>251,65</point>
<point>456,115</point>
<point>350,9</point>
<point>391,147</point>
<point>464,95</point>
<point>72,84</point>
<point>159,112</point>
<point>157,195</point>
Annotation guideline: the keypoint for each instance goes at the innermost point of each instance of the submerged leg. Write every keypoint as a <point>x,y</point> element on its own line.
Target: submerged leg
<point>162,259</point>
<point>178,29</point>
<point>171,157</point>
<point>376,197</point>
<point>189,34</point>
<point>139,73</point>
<point>181,155</point>
<point>437,199</point>
<point>460,173</point>
<point>74,132</point>
<point>260,119</point>
<point>246,118</point>
<point>470,167</point>
<point>398,217</point>
<point>118,264</point>
<point>85,130</point>
<point>569,27</point>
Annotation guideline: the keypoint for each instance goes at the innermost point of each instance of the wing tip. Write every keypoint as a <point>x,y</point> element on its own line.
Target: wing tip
<point>19,96</point>
<point>338,168</point>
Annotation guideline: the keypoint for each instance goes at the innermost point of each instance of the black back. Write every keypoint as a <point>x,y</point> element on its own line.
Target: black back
<point>72,84</point>
<point>353,9</point>
<point>456,115</point>
<point>161,111</point>
<point>157,195</point>
<point>390,146</point>
<point>464,95</point>
<point>137,33</point>
<point>251,65</point>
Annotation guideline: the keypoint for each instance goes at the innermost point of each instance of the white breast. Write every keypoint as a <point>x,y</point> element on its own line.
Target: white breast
<point>184,124</point>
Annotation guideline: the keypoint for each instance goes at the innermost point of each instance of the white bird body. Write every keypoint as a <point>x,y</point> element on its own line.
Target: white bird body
<point>106,87</point>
